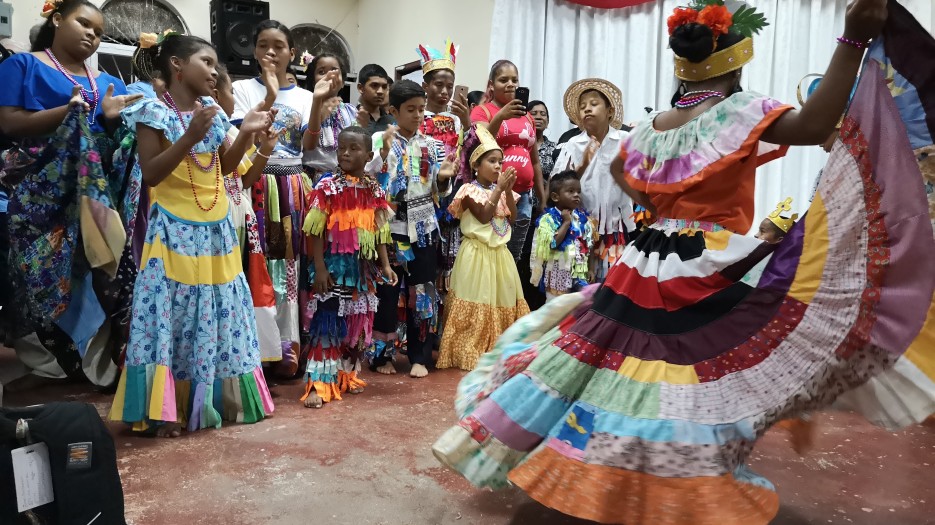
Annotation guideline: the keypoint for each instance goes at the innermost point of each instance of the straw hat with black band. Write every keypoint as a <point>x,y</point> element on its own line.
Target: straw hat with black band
<point>611,92</point>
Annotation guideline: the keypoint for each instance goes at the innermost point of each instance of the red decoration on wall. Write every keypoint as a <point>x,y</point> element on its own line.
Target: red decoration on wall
<point>609,4</point>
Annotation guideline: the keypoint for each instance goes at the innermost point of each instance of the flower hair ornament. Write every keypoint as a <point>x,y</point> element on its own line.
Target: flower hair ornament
<point>783,223</point>
<point>746,21</point>
<point>49,7</point>
<point>306,60</point>
<point>148,40</point>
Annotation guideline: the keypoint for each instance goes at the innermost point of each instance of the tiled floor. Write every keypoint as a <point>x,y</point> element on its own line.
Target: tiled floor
<point>367,460</point>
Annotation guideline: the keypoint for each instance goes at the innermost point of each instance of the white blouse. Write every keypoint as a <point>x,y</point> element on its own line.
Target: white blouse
<point>601,196</point>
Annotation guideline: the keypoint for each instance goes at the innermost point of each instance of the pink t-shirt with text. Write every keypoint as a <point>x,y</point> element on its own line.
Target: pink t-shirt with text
<point>517,137</point>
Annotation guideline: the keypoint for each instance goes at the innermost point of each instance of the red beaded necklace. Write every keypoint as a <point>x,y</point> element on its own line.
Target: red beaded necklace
<point>235,194</point>
<point>91,98</point>
<point>191,153</point>
<point>215,162</point>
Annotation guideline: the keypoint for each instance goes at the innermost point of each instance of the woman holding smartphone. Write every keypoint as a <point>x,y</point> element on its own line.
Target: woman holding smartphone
<point>506,117</point>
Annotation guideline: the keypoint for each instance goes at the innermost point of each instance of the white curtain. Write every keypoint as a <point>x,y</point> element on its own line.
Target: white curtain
<point>554,43</point>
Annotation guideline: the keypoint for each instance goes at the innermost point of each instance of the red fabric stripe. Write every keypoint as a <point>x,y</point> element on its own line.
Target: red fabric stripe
<point>671,294</point>
<point>757,348</point>
<point>261,286</point>
<point>878,249</point>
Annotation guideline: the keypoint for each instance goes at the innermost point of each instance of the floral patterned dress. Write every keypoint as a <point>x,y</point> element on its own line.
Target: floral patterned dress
<point>193,355</point>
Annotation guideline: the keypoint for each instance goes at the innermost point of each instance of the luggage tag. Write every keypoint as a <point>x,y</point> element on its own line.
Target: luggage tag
<point>32,474</point>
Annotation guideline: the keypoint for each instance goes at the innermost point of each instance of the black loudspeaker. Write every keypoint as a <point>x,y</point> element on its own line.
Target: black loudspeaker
<point>232,24</point>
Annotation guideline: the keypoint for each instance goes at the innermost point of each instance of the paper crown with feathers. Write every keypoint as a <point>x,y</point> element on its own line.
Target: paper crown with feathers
<point>487,144</point>
<point>432,59</point>
<point>783,223</point>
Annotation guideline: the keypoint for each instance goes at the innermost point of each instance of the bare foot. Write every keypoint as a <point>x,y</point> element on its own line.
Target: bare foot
<point>169,430</point>
<point>355,390</point>
<point>387,369</point>
<point>313,401</point>
<point>418,371</point>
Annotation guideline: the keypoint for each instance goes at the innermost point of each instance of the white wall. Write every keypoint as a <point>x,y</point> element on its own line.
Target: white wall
<point>924,11</point>
<point>390,31</point>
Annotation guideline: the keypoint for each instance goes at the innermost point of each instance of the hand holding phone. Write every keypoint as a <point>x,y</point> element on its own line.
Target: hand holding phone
<point>522,94</point>
<point>461,91</point>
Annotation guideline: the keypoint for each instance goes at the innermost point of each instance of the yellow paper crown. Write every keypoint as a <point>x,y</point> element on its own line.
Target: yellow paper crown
<point>432,59</point>
<point>719,63</point>
<point>487,144</point>
<point>783,223</point>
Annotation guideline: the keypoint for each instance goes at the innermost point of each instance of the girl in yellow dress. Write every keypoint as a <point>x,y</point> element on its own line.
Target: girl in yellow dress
<point>486,294</point>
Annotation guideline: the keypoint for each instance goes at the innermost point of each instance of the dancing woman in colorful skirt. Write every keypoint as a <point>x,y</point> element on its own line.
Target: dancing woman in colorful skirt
<point>640,401</point>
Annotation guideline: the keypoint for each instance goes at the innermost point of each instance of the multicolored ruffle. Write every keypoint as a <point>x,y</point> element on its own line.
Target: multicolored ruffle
<point>148,395</point>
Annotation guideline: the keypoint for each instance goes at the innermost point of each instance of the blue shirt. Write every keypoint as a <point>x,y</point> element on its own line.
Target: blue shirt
<point>34,86</point>
<point>142,88</point>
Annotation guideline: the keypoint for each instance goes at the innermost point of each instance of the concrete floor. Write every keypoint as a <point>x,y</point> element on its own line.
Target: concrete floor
<point>367,460</point>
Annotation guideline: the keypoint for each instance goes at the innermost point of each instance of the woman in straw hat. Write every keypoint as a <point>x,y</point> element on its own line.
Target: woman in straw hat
<point>595,106</point>
<point>640,401</point>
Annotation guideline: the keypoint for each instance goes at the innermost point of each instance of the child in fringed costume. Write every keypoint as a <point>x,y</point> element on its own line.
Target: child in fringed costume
<point>280,196</point>
<point>193,358</point>
<point>560,261</point>
<point>444,121</point>
<point>349,224</point>
<point>417,177</point>
<point>639,401</point>
<point>486,294</point>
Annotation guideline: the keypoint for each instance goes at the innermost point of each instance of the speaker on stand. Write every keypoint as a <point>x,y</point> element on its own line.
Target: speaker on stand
<point>232,25</point>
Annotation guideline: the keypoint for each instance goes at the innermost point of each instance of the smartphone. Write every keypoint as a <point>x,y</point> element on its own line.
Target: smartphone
<point>522,93</point>
<point>461,91</point>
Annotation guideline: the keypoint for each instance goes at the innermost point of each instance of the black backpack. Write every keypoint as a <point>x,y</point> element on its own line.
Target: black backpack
<point>83,489</point>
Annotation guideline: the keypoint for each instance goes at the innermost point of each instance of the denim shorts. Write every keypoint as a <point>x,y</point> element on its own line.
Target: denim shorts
<point>524,205</point>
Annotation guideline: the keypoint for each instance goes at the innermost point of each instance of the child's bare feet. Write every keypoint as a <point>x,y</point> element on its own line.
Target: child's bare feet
<point>418,371</point>
<point>355,390</point>
<point>387,369</point>
<point>313,401</point>
<point>169,430</point>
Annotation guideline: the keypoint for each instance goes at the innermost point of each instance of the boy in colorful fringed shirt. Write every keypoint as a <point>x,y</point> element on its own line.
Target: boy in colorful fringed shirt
<point>563,240</point>
<point>417,178</point>
<point>349,224</point>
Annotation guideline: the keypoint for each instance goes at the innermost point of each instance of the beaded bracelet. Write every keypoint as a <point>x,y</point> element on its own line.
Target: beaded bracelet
<point>855,43</point>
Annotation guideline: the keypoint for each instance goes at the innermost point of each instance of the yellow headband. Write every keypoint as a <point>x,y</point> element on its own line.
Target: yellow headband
<point>783,223</point>
<point>719,63</point>
<point>487,144</point>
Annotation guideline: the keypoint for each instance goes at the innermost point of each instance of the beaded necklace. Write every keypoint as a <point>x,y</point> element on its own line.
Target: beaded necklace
<point>92,98</point>
<point>501,227</point>
<point>230,184</point>
<point>191,153</point>
<point>215,162</point>
<point>693,98</point>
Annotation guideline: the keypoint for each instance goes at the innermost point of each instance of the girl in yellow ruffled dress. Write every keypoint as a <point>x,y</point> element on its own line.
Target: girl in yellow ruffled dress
<point>486,294</point>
